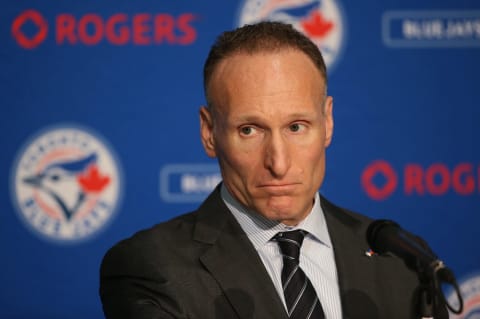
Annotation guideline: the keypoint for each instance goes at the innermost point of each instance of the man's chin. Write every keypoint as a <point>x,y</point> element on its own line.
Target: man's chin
<point>284,209</point>
<point>286,215</point>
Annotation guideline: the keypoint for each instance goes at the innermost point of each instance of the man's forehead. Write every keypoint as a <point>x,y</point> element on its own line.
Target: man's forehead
<point>247,75</point>
<point>239,62</point>
<point>245,54</point>
<point>255,55</point>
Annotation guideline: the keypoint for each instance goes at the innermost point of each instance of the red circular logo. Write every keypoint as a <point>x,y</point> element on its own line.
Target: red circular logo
<point>384,169</point>
<point>30,16</point>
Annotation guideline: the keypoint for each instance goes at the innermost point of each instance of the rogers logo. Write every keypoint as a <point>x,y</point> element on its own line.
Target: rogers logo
<point>30,16</point>
<point>118,29</point>
<point>380,179</point>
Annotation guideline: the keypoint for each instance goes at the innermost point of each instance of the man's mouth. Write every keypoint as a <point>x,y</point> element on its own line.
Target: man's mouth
<point>279,188</point>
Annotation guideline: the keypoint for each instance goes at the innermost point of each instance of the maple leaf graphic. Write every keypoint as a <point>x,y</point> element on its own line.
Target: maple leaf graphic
<point>92,181</point>
<point>316,26</point>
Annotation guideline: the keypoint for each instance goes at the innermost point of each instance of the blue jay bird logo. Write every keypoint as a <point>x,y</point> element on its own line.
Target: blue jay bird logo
<point>320,20</point>
<point>66,174</point>
<point>66,184</point>
<point>293,13</point>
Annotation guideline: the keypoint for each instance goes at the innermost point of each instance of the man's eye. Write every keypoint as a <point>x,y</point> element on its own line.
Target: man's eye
<point>247,130</point>
<point>296,127</point>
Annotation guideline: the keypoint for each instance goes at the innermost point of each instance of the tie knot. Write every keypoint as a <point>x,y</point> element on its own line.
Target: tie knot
<point>290,243</point>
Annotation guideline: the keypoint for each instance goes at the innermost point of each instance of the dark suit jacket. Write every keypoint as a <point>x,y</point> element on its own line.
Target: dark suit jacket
<point>202,265</point>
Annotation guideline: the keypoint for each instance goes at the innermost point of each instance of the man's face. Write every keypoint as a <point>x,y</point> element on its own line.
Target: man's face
<point>269,129</point>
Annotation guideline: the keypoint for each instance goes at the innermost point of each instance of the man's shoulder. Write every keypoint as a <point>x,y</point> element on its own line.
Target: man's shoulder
<point>174,238</point>
<point>161,234</point>
<point>153,249</point>
<point>172,227</point>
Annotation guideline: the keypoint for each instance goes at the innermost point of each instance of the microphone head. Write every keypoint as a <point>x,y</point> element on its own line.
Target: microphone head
<point>377,230</point>
<point>386,236</point>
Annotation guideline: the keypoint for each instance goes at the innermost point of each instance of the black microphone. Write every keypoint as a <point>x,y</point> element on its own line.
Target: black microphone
<point>387,236</point>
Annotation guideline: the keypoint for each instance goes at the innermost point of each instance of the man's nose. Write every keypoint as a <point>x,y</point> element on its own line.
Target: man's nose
<point>277,155</point>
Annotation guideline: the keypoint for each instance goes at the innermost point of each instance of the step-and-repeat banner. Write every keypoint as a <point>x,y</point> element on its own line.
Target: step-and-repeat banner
<point>99,128</point>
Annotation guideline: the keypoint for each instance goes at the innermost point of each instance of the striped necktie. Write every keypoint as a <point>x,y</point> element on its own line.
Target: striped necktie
<point>300,296</point>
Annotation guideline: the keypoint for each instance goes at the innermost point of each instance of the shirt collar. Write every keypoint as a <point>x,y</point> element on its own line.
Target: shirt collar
<point>261,230</point>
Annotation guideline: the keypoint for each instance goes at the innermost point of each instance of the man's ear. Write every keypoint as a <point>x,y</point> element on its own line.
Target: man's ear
<point>206,131</point>
<point>328,113</point>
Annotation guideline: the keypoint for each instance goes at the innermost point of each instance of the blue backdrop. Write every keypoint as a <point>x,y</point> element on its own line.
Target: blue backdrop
<point>99,128</point>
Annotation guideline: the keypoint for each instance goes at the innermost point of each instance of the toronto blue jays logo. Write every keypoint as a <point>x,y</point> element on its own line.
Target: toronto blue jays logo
<point>66,184</point>
<point>321,20</point>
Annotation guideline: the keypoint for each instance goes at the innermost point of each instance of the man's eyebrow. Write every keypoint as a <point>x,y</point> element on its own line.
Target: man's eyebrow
<point>302,115</point>
<point>247,118</point>
<point>257,118</point>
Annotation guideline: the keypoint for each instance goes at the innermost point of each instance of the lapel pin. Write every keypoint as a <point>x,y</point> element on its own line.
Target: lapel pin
<point>370,253</point>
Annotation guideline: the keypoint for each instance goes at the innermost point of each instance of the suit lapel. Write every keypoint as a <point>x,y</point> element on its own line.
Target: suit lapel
<point>356,274</point>
<point>234,263</point>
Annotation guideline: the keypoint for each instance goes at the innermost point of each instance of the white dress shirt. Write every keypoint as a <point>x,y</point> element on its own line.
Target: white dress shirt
<point>316,255</point>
